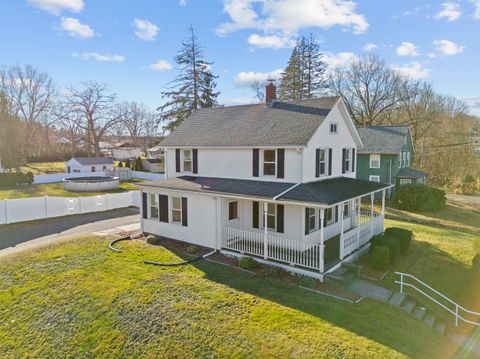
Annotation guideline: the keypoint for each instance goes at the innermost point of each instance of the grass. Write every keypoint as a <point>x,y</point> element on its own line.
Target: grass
<point>41,168</point>
<point>78,299</point>
<point>56,189</point>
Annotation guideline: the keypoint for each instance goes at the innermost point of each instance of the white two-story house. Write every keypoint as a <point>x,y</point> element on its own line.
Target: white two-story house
<point>275,181</point>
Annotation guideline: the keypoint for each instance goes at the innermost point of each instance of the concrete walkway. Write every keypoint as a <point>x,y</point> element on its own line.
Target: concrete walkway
<point>18,237</point>
<point>368,289</point>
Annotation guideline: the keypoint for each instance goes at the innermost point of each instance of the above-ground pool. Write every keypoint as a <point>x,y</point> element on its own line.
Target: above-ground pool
<point>91,184</point>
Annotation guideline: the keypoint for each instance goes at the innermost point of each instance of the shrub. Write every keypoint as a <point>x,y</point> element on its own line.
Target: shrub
<point>247,263</point>
<point>192,249</point>
<point>29,178</point>
<point>8,179</point>
<point>380,257</point>
<point>120,164</point>
<point>153,240</point>
<point>404,237</point>
<point>385,241</point>
<point>419,197</point>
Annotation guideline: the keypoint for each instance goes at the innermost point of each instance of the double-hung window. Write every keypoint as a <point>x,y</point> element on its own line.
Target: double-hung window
<point>176,210</point>
<point>374,160</point>
<point>330,216</point>
<point>322,162</point>
<point>374,178</point>
<point>269,157</point>
<point>187,160</point>
<point>347,159</point>
<point>405,181</point>
<point>153,206</point>
<point>311,219</point>
<point>271,216</point>
<point>232,210</point>
<point>346,210</point>
<point>333,128</point>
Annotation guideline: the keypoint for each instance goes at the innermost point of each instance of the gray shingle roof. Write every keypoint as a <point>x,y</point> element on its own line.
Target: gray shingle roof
<point>411,173</point>
<point>282,124</point>
<point>326,192</point>
<point>382,139</point>
<point>86,161</point>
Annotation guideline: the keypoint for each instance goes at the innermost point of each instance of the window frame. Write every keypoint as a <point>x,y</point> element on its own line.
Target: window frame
<point>184,160</point>
<point>336,128</point>
<point>330,221</point>
<point>370,178</point>
<point>372,160</point>
<point>230,217</point>
<point>312,214</point>
<point>404,181</point>
<point>173,209</point>
<point>151,206</point>
<point>348,160</point>
<point>274,163</point>
<point>270,215</point>
<point>346,213</point>
<point>323,150</point>
<point>92,169</point>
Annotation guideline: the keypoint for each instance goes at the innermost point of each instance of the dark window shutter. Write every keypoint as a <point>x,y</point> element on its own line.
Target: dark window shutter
<point>255,212</point>
<point>329,161</point>
<point>336,214</point>
<point>256,162</point>
<point>144,205</point>
<point>324,218</point>
<point>343,160</point>
<point>281,163</point>
<point>280,216</point>
<point>353,159</point>
<point>195,160</point>
<point>184,212</point>
<point>307,226</point>
<point>317,162</point>
<point>177,160</point>
<point>163,204</point>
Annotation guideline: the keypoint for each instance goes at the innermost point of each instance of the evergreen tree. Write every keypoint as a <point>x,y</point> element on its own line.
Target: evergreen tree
<point>304,77</point>
<point>192,89</point>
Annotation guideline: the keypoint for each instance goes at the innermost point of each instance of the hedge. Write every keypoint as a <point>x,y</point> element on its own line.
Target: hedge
<point>419,197</point>
<point>385,241</point>
<point>247,263</point>
<point>380,257</point>
<point>8,179</point>
<point>404,237</point>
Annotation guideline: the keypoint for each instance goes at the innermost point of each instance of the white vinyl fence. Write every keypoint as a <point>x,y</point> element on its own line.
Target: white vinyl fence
<point>59,177</point>
<point>28,209</point>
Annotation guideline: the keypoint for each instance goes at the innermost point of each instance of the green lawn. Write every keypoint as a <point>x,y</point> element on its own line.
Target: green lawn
<point>40,168</point>
<point>78,299</point>
<point>56,189</point>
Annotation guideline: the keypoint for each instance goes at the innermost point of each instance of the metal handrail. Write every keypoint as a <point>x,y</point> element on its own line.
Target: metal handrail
<point>457,306</point>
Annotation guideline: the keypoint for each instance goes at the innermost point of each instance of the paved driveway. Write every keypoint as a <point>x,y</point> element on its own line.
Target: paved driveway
<point>18,237</point>
<point>471,200</point>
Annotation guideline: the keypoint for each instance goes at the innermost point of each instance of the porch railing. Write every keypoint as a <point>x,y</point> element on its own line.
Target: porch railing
<point>358,236</point>
<point>276,248</point>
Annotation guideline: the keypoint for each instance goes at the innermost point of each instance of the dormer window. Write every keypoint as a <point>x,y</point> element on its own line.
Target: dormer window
<point>333,128</point>
<point>269,162</point>
<point>187,160</point>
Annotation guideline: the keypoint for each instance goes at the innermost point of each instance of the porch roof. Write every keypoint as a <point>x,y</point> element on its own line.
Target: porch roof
<point>411,173</point>
<point>322,193</point>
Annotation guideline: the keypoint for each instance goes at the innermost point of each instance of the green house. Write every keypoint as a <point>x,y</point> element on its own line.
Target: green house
<point>387,155</point>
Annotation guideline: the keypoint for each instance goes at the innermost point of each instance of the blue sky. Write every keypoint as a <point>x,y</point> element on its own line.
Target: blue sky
<point>130,45</point>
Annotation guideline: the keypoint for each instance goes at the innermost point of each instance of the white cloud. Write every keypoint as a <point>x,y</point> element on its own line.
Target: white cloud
<point>98,57</point>
<point>448,48</point>
<point>414,70</point>
<point>75,28</point>
<point>271,41</point>
<point>407,49</point>
<point>369,47</point>
<point>341,59</point>
<point>247,78</point>
<point>450,11</point>
<point>161,65</point>
<point>476,14</point>
<point>145,30</point>
<point>183,2</point>
<point>284,18</point>
<point>55,7</point>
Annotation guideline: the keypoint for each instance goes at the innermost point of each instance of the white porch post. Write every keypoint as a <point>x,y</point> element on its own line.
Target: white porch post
<point>383,209</point>
<point>265,235</point>
<point>341,230</point>
<point>359,203</point>
<point>371,214</point>
<point>322,239</point>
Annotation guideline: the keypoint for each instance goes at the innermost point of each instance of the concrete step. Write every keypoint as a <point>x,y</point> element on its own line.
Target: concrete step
<point>356,268</point>
<point>419,312</point>
<point>408,305</point>
<point>429,320</point>
<point>440,328</point>
<point>397,299</point>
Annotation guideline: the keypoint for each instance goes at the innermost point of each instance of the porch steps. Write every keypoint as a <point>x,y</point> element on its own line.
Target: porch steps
<point>418,311</point>
<point>353,267</point>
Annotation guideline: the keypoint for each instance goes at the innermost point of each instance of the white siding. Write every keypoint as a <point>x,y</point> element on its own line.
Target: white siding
<point>322,138</point>
<point>234,163</point>
<point>201,229</point>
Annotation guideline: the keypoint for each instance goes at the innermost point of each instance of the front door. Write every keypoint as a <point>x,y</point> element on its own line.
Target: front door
<point>233,218</point>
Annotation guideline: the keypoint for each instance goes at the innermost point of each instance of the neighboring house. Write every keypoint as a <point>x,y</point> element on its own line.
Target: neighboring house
<point>276,182</point>
<point>88,164</point>
<point>154,165</point>
<point>155,152</point>
<point>386,156</point>
<point>126,151</point>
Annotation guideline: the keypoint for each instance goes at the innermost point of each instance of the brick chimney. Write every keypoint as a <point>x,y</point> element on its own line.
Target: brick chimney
<point>270,92</point>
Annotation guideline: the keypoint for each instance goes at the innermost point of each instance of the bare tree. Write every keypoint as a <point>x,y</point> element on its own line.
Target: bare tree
<point>95,105</point>
<point>369,88</point>
<point>259,91</point>
<point>136,119</point>
<point>31,94</point>
<point>70,122</point>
